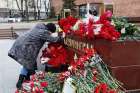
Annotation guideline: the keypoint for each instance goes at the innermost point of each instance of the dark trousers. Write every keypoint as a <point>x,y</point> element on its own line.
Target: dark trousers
<point>24,71</point>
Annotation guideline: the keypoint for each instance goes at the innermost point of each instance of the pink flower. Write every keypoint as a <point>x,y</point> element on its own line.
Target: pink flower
<point>64,75</point>
<point>31,84</point>
<point>108,13</point>
<point>36,90</point>
<point>41,91</point>
<point>33,77</point>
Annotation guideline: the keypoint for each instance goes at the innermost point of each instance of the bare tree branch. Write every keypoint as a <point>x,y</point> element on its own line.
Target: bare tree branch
<point>46,9</point>
<point>18,5</point>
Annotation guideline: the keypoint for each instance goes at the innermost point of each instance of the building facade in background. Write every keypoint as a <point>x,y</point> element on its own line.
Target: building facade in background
<point>6,6</point>
<point>9,8</point>
<point>127,8</point>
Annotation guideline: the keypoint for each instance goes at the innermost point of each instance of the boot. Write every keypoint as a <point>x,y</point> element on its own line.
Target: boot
<point>30,72</point>
<point>27,77</point>
<point>20,81</point>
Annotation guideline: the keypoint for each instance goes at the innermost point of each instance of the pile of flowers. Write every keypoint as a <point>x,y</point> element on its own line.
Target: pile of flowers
<point>107,30</point>
<point>126,29</point>
<point>67,23</point>
<point>56,53</point>
<point>91,74</point>
<point>42,82</point>
<point>107,27</point>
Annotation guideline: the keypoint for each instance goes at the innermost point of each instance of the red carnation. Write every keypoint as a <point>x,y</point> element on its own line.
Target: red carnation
<point>41,91</point>
<point>112,91</point>
<point>33,77</point>
<point>72,20</point>
<point>94,78</point>
<point>97,89</point>
<point>104,87</point>
<point>64,75</point>
<point>36,90</point>
<point>44,84</point>
<point>90,28</point>
<point>32,84</point>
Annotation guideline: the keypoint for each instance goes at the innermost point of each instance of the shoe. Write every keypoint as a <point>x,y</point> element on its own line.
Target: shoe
<point>20,81</point>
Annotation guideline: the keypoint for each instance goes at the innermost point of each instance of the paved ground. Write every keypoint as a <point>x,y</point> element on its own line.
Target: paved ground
<point>17,25</point>
<point>9,69</point>
<point>20,25</point>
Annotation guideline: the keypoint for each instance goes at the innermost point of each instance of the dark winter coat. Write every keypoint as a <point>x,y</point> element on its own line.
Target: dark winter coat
<point>26,48</point>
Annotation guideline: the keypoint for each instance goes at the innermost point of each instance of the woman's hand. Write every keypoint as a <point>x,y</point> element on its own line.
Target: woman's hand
<point>44,60</point>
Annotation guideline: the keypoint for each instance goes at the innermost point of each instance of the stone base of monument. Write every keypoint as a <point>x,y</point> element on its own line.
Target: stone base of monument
<point>123,60</point>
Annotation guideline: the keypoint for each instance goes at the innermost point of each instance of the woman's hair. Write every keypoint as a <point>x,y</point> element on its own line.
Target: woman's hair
<point>51,27</point>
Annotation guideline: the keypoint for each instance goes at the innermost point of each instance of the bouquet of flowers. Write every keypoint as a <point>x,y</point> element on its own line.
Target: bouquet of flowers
<point>67,23</point>
<point>42,82</point>
<point>55,55</point>
<point>109,27</point>
<point>127,30</point>
<point>106,31</point>
<point>89,74</point>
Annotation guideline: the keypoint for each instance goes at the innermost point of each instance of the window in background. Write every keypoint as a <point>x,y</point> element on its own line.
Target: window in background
<point>109,7</point>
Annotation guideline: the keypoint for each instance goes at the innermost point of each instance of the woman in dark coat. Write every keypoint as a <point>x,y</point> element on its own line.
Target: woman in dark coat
<point>26,48</point>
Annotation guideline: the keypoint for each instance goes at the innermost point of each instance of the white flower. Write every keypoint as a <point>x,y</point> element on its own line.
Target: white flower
<point>123,30</point>
<point>70,68</point>
<point>112,23</point>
